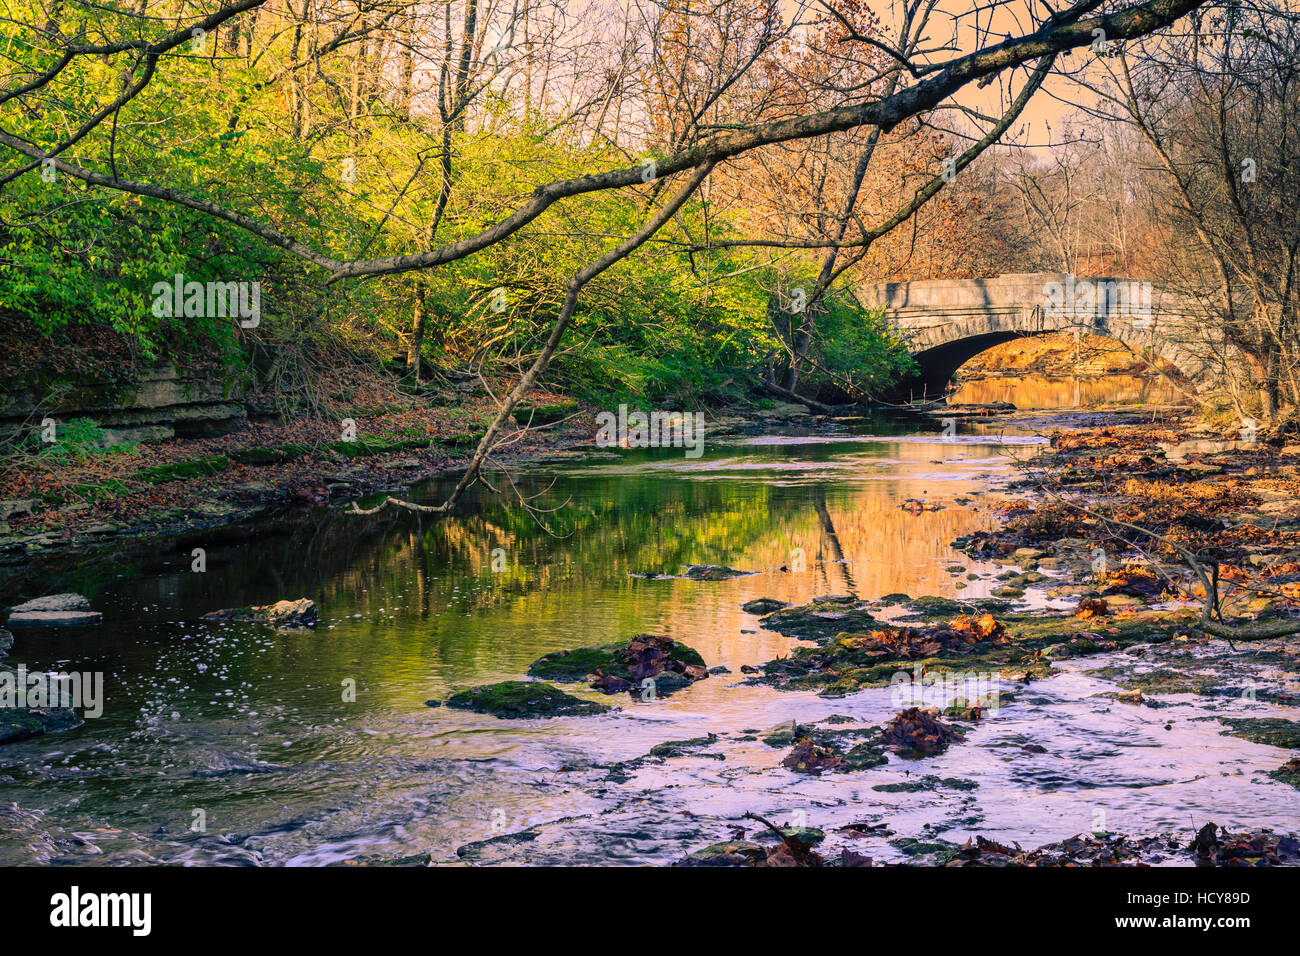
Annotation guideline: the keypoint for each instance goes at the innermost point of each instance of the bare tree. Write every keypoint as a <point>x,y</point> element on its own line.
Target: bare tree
<point>1213,103</point>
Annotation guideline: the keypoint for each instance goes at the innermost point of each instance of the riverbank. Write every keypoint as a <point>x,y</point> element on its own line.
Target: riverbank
<point>81,501</point>
<point>73,499</point>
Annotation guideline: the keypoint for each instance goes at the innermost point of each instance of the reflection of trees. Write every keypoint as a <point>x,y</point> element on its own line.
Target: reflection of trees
<point>426,600</point>
<point>833,541</point>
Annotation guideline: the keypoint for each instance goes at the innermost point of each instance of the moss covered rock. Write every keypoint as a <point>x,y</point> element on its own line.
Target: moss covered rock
<point>763,606</point>
<point>730,853</point>
<point>299,613</point>
<point>1288,773</point>
<point>571,667</point>
<point>523,699</point>
<point>682,748</point>
<point>614,668</point>
<point>819,621</point>
<point>23,723</point>
<point>713,572</point>
<point>1274,731</point>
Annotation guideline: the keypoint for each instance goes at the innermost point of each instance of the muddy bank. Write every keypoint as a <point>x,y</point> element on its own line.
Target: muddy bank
<point>73,503</point>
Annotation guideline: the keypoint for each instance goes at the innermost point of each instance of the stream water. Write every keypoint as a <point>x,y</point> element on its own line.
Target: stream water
<point>245,729</point>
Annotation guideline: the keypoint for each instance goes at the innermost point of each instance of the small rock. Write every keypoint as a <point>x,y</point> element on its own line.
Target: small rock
<point>23,723</point>
<point>523,699</point>
<point>55,610</point>
<point>711,572</point>
<point>763,606</point>
<point>17,506</point>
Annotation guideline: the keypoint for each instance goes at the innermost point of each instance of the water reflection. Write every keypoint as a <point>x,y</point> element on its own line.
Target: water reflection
<point>1038,391</point>
<point>236,719</point>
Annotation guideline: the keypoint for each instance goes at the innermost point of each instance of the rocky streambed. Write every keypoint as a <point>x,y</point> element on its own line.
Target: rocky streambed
<point>820,649</point>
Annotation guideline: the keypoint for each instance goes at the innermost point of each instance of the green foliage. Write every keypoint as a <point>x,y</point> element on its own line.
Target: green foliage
<point>78,440</point>
<point>857,351</point>
<point>196,468</point>
<point>658,328</point>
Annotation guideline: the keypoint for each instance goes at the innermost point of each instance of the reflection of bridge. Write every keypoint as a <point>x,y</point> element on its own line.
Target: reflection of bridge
<point>947,321</point>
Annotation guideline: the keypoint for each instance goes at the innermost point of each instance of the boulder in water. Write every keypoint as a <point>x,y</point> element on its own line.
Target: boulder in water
<point>55,610</point>
<point>517,698</point>
<point>23,723</point>
<point>299,613</point>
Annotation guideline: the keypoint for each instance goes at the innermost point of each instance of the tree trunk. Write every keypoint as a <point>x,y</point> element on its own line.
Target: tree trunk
<point>416,342</point>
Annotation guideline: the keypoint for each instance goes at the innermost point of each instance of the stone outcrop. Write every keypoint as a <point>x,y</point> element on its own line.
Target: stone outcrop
<point>54,610</point>
<point>299,613</point>
<point>159,404</point>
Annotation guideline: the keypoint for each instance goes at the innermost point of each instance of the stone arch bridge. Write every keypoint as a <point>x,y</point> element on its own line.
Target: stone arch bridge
<point>948,321</point>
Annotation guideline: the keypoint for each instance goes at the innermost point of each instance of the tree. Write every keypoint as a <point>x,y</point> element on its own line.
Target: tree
<point>1214,105</point>
<point>713,127</point>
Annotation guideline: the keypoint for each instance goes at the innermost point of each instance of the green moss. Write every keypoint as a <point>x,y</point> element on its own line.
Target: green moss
<point>182,470</point>
<point>864,756</point>
<point>523,699</point>
<point>933,606</point>
<point>819,622</point>
<point>1274,731</point>
<point>1159,681</point>
<point>22,723</point>
<point>787,734</point>
<point>1288,773</point>
<point>368,445</point>
<point>840,668</point>
<point>730,853</point>
<point>681,748</point>
<point>574,666</point>
<point>544,414</point>
<point>942,850</point>
<point>463,440</point>
<point>762,606</point>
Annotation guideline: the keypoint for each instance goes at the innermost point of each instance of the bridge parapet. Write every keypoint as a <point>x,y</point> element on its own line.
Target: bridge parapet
<point>947,321</point>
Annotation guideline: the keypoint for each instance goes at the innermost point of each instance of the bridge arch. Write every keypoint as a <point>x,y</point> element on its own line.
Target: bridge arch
<point>948,321</point>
